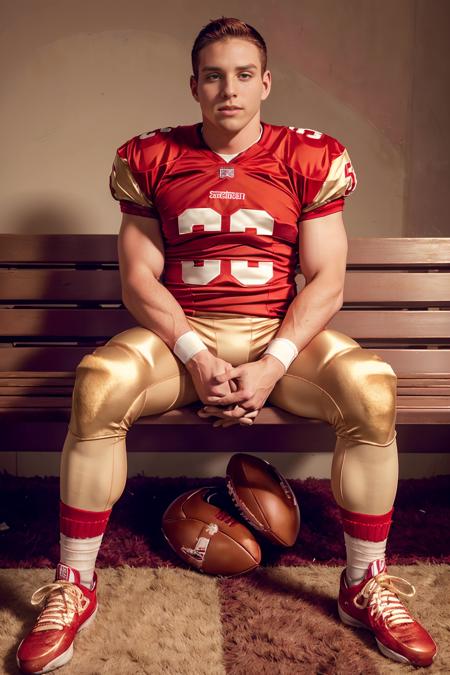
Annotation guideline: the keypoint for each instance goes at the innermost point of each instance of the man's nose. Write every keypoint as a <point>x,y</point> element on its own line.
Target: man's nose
<point>228,89</point>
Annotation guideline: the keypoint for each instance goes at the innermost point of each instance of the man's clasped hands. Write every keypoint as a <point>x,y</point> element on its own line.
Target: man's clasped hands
<point>233,394</point>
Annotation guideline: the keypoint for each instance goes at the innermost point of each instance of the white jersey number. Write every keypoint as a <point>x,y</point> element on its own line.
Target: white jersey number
<point>309,133</point>
<point>240,221</point>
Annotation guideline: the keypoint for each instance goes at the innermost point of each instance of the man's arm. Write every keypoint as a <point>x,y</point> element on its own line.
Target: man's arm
<point>323,250</point>
<point>141,262</point>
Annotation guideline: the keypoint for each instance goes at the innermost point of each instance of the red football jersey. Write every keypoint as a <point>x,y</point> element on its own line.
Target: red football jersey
<point>230,229</point>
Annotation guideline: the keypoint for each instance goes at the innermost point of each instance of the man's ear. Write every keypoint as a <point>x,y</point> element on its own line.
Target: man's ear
<point>267,84</point>
<point>193,85</point>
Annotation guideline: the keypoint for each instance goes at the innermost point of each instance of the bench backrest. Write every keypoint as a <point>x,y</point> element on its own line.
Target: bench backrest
<point>60,297</point>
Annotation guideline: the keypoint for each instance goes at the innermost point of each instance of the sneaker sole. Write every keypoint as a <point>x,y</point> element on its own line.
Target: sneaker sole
<point>63,658</point>
<point>389,653</point>
<point>350,620</point>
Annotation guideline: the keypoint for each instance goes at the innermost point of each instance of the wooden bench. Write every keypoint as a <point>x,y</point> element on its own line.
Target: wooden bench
<point>60,297</point>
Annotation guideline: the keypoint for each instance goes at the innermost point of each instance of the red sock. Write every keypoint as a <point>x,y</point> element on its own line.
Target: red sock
<point>367,527</point>
<point>82,524</point>
<point>80,540</point>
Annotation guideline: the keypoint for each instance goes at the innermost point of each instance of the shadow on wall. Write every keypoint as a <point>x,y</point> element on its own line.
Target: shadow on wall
<point>43,336</point>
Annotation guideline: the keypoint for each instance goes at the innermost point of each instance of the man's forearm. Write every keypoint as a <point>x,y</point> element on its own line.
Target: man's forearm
<point>310,311</point>
<point>155,308</point>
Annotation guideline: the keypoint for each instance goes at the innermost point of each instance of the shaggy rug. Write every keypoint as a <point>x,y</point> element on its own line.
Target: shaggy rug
<point>273,621</point>
<point>158,617</point>
<point>30,509</point>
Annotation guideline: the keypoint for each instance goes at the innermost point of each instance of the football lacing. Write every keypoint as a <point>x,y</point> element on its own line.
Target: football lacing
<point>381,594</point>
<point>250,518</point>
<point>233,497</point>
<point>63,599</point>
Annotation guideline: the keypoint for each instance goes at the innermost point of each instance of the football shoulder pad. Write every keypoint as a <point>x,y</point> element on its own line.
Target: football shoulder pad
<point>322,165</point>
<point>135,164</point>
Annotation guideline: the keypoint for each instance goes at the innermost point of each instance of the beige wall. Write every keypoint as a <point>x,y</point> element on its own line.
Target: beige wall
<point>429,133</point>
<point>80,78</point>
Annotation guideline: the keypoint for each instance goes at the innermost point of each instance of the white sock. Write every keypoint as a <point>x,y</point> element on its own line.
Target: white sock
<point>360,554</point>
<point>81,554</point>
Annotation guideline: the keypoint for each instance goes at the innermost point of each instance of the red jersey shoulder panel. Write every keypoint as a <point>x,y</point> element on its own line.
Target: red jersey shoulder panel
<point>151,149</point>
<point>137,164</point>
<point>321,168</point>
<point>306,151</point>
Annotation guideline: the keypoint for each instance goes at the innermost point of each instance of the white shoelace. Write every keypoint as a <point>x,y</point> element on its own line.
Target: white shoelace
<point>62,600</point>
<point>381,594</point>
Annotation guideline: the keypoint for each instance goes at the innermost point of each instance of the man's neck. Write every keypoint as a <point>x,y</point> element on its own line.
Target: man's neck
<point>224,142</point>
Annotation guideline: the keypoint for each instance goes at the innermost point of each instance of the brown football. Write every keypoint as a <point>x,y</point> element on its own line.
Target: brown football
<point>206,536</point>
<point>264,498</point>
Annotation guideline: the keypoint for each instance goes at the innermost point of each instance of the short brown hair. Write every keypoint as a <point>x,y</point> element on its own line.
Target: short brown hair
<point>226,27</point>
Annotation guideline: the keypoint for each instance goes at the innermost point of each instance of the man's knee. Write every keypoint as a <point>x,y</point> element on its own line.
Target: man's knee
<point>367,390</point>
<point>108,391</point>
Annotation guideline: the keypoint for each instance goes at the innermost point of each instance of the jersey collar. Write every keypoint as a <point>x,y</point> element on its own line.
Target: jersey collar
<point>254,149</point>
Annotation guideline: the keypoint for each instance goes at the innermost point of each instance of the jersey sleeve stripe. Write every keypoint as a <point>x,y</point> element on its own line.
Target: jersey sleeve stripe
<point>337,183</point>
<point>135,210</point>
<point>327,209</point>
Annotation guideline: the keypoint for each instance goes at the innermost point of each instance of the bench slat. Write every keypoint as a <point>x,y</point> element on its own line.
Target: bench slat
<point>303,435</point>
<point>397,289</point>
<point>58,248</point>
<point>56,387</point>
<point>394,289</point>
<point>410,382</point>
<point>102,248</point>
<point>83,323</point>
<point>401,289</point>
<point>24,378</point>
<point>417,362</point>
<point>36,390</point>
<point>46,286</point>
<point>40,402</point>
<point>418,402</point>
<point>427,390</point>
<point>405,362</point>
<point>45,358</point>
<point>267,416</point>
<point>422,402</point>
<point>400,325</point>
<point>61,392</point>
<point>91,323</point>
<point>49,379</point>
<point>399,251</point>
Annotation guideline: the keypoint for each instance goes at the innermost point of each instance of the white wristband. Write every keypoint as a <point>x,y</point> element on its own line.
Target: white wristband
<point>283,349</point>
<point>188,345</point>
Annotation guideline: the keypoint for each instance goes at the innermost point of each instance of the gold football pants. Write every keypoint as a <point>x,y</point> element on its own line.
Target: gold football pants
<point>135,374</point>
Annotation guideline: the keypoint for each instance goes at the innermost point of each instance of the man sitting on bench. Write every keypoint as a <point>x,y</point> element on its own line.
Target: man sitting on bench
<point>215,217</point>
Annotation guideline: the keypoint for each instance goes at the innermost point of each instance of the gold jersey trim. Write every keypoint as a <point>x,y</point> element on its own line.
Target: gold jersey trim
<point>124,184</point>
<point>337,183</point>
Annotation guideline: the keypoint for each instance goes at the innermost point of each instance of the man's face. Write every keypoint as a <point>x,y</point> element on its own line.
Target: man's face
<point>230,86</point>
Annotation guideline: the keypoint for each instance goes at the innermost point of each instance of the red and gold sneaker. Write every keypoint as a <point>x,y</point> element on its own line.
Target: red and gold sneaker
<point>68,608</point>
<point>374,604</point>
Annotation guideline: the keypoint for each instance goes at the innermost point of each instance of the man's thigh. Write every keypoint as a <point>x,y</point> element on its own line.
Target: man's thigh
<point>309,388</point>
<point>164,381</point>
